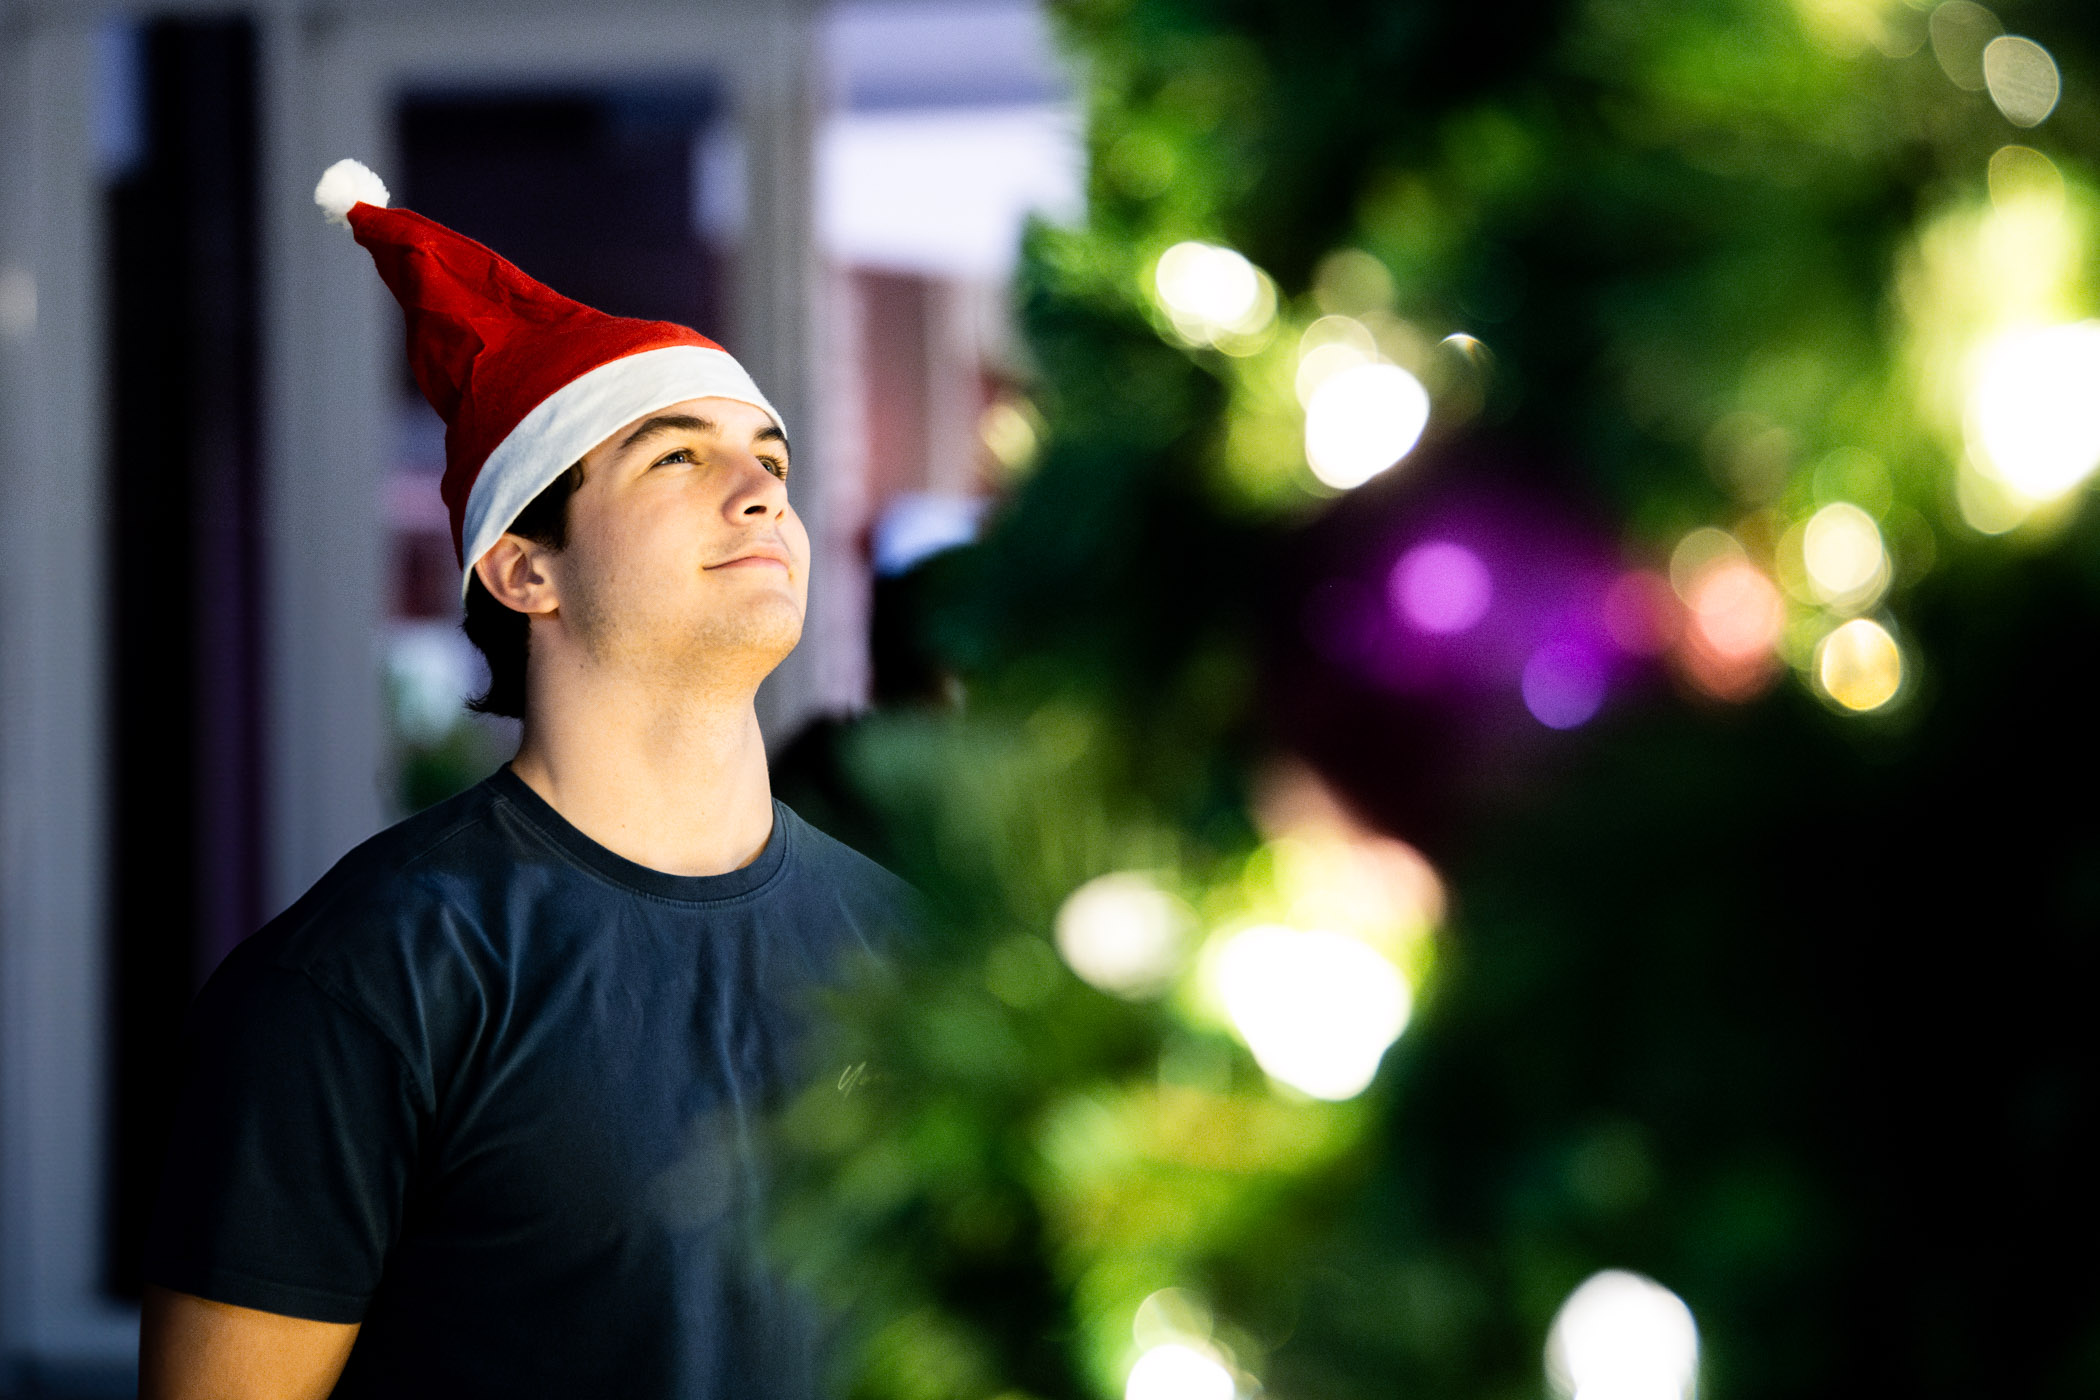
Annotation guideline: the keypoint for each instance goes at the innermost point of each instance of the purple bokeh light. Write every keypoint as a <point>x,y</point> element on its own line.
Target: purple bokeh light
<point>1441,588</point>
<point>1405,721</point>
<point>1563,684</point>
<point>1496,605</point>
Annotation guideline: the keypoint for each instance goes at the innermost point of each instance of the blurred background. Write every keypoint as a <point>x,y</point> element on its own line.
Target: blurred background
<point>1474,620</point>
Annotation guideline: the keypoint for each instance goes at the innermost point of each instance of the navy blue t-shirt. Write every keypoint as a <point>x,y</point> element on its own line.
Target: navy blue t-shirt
<point>492,1091</point>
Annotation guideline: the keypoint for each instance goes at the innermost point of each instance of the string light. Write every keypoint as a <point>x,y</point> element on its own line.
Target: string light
<point>2033,416</point>
<point>1859,665</point>
<point>1361,420</point>
<point>1842,552</point>
<point>1329,346</point>
<point>1213,295</point>
<point>1123,934</point>
<point>1176,1371</point>
<point>1563,685</point>
<point>1441,588</point>
<point>1621,1336</point>
<point>2022,79</point>
<point>1736,610</point>
<point>1316,1008</point>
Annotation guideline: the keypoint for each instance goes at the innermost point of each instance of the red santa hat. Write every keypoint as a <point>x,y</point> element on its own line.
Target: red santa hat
<point>526,380</point>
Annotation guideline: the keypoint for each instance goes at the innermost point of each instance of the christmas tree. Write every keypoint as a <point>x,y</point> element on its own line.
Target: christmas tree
<point>1515,820</point>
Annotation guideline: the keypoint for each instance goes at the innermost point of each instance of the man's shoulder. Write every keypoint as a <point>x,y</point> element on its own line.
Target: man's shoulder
<point>393,891</point>
<point>824,857</point>
<point>832,871</point>
<point>387,936</point>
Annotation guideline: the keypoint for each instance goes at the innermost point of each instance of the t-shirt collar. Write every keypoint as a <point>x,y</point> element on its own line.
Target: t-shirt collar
<point>688,889</point>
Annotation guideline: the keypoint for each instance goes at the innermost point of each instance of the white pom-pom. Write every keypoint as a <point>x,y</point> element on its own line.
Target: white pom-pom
<point>345,183</point>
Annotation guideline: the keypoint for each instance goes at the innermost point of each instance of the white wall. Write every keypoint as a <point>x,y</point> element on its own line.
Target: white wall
<point>52,869</point>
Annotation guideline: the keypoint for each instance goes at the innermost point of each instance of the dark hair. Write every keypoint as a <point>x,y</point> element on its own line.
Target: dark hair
<point>502,633</point>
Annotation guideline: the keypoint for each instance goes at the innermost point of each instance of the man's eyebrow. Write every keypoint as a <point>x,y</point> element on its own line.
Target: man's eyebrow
<point>665,423</point>
<point>686,422</point>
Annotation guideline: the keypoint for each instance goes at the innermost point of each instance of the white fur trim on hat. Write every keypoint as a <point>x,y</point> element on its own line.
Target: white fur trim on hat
<point>583,413</point>
<point>348,183</point>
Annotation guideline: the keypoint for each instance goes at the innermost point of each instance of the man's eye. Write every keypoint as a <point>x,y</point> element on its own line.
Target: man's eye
<point>776,466</point>
<point>685,452</point>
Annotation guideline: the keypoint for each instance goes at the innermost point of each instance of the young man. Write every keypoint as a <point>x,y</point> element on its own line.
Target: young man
<point>477,1115</point>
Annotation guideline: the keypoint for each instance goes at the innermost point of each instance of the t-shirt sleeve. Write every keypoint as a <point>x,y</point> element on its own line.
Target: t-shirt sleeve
<point>291,1153</point>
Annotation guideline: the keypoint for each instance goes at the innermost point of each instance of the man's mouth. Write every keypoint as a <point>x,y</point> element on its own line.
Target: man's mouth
<point>764,556</point>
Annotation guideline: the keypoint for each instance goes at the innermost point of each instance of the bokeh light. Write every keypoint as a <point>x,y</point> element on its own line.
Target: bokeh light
<point>1697,553</point>
<point>1350,280</point>
<point>1008,431</point>
<point>2034,415</point>
<point>1441,588</point>
<point>1470,346</point>
<point>1170,1315</point>
<point>1841,550</point>
<point>1213,295</point>
<point>1641,613</point>
<point>1329,346</point>
<point>1361,420</point>
<point>1176,1371</point>
<point>2022,173</point>
<point>1375,887</point>
<point>1734,615</point>
<point>1960,30</point>
<point>1330,870</point>
<point>2022,79</point>
<point>1859,665</point>
<point>1621,1336</point>
<point>1563,685</point>
<point>1736,611</point>
<point>1316,1008</point>
<point>1123,934</point>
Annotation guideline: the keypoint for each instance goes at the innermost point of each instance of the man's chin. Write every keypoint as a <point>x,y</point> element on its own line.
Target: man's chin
<point>758,641</point>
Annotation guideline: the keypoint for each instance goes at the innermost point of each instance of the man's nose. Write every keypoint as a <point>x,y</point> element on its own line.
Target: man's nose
<point>758,491</point>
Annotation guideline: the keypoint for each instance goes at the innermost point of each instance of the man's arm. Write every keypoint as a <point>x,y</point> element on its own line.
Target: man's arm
<point>194,1349</point>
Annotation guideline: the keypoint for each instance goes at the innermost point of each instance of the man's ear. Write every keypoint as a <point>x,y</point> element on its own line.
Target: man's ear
<point>515,573</point>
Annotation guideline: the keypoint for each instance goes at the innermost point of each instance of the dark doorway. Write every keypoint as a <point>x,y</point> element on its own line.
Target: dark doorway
<point>185,596</point>
<point>589,191</point>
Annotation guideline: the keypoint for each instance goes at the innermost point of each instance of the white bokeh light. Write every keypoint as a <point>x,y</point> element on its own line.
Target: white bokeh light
<point>1123,934</point>
<point>1622,1336</point>
<point>1212,293</point>
<point>1841,550</point>
<point>2022,79</point>
<point>1323,362</point>
<point>1174,1371</point>
<point>1329,346</point>
<point>1361,420</point>
<point>2034,415</point>
<point>1317,1008</point>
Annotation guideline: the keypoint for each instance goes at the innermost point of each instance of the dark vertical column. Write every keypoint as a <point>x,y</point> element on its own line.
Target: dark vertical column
<point>185,595</point>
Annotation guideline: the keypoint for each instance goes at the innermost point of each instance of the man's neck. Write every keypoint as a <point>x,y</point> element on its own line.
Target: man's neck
<point>676,783</point>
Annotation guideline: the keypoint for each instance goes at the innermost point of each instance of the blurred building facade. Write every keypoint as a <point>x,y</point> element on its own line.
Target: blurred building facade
<point>228,650</point>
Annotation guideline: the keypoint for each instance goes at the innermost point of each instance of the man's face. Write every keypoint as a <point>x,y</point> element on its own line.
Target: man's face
<point>684,561</point>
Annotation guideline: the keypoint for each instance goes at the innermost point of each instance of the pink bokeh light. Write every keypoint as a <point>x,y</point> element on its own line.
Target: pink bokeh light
<point>1642,613</point>
<point>1441,588</point>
